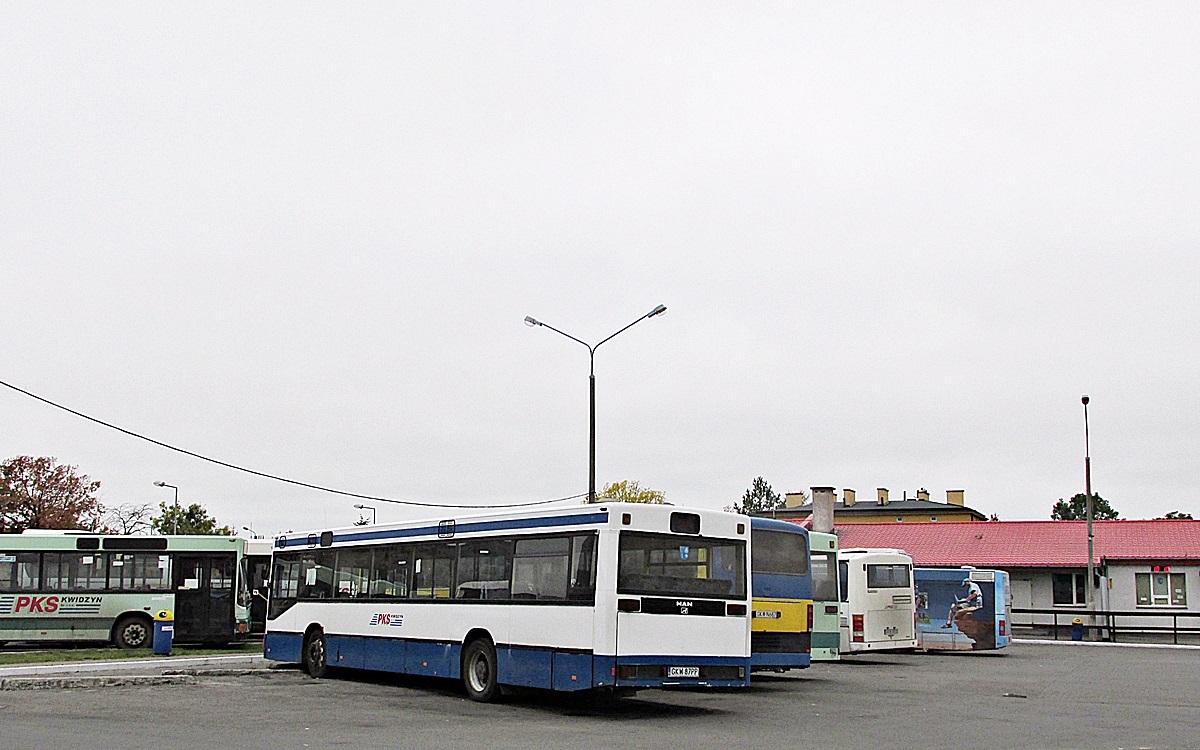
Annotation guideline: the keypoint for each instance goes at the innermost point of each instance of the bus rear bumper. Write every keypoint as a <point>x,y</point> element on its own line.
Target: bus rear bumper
<point>671,671</point>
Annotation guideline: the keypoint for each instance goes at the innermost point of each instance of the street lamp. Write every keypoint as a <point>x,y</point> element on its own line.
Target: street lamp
<point>1088,504</point>
<point>592,385</point>
<point>164,484</point>
<point>370,508</point>
<point>253,533</point>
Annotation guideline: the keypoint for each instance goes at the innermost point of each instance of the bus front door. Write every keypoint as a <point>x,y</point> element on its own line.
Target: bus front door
<point>204,597</point>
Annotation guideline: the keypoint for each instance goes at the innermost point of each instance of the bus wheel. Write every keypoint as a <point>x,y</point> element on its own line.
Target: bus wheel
<point>315,655</point>
<point>132,632</point>
<point>479,671</point>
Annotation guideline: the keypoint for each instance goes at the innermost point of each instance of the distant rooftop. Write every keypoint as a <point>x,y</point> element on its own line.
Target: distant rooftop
<point>1030,544</point>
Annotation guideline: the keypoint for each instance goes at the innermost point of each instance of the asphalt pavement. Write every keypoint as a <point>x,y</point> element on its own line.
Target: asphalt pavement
<point>1031,696</point>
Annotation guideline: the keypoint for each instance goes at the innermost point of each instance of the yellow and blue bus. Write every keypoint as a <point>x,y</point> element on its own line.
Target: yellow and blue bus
<point>826,627</point>
<point>78,586</point>
<point>782,584</point>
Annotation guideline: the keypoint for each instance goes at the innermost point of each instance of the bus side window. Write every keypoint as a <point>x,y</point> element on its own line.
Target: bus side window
<point>844,575</point>
<point>20,571</point>
<point>583,568</point>
<point>390,572</point>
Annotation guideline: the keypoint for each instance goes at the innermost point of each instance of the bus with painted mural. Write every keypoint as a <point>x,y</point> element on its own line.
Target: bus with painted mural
<point>781,579</point>
<point>604,597</point>
<point>826,627</point>
<point>878,608</point>
<point>962,609</point>
<point>78,586</point>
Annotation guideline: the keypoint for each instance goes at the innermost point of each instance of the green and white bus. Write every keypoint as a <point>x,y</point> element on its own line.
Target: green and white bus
<point>77,586</point>
<point>826,635</point>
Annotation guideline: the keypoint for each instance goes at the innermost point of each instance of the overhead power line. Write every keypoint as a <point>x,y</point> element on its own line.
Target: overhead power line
<point>265,475</point>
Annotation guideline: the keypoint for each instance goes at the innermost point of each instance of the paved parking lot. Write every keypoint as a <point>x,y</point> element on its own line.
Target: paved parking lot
<point>1033,696</point>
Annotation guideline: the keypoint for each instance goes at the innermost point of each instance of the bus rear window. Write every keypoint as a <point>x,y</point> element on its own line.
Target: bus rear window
<point>825,580</point>
<point>888,576</point>
<point>779,552</point>
<point>664,565</point>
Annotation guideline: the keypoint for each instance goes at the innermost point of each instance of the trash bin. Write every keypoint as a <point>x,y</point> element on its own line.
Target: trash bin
<point>1077,629</point>
<point>164,632</point>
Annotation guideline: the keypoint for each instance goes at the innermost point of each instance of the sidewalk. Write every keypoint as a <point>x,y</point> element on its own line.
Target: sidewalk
<point>131,666</point>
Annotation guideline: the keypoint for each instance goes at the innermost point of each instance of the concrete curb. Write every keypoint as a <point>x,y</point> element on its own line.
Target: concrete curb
<point>60,683</point>
<point>171,662</point>
<point>1102,644</point>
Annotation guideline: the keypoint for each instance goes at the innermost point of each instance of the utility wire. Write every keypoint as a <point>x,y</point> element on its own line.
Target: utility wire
<point>274,477</point>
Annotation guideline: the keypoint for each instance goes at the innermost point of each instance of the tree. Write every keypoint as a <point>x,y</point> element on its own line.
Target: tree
<point>1178,515</point>
<point>760,498</point>
<point>128,518</point>
<point>40,493</point>
<point>631,492</point>
<point>193,519</point>
<point>1076,509</point>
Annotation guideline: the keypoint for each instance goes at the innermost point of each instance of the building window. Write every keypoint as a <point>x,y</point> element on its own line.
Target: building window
<point>1068,589</point>
<point>1161,589</point>
<point>933,519</point>
<point>899,519</point>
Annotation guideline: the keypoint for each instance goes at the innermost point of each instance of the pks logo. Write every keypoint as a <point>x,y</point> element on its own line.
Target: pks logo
<point>47,605</point>
<point>388,619</point>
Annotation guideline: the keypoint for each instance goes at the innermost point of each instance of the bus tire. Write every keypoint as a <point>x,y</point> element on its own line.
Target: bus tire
<point>479,671</point>
<point>316,654</point>
<point>132,631</point>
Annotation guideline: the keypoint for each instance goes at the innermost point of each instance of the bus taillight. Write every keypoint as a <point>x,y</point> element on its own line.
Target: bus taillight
<point>1002,627</point>
<point>857,628</point>
<point>810,617</point>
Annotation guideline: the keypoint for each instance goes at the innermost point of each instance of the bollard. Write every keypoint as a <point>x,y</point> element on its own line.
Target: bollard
<point>164,632</point>
<point>1077,629</point>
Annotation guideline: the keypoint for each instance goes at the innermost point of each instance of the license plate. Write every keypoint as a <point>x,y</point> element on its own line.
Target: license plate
<point>683,671</point>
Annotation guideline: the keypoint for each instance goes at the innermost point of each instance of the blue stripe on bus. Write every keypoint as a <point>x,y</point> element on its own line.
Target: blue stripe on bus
<point>462,528</point>
<point>522,666</point>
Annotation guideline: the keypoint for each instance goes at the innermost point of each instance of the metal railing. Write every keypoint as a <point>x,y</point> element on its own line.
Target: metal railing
<point>1108,625</point>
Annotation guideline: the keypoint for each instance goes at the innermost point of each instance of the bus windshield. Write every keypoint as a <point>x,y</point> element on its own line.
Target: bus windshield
<point>779,552</point>
<point>667,565</point>
<point>824,569</point>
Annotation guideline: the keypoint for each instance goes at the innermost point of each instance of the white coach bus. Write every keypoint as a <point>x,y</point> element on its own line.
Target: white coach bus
<point>878,608</point>
<point>612,597</point>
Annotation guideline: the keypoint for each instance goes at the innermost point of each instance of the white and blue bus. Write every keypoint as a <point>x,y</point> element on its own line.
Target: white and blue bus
<point>962,609</point>
<point>612,597</point>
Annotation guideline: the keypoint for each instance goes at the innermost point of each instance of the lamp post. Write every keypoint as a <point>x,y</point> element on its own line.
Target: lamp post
<point>370,508</point>
<point>164,484</point>
<point>1090,599</point>
<point>253,533</point>
<point>592,387</point>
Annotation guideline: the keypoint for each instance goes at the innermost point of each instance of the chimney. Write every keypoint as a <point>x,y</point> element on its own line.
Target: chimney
<point>954,497</point>
<point>881,496</point>
<point>823,499</point>
<point>793,500</point>
<point>922,494</point>
<point>847,498</point>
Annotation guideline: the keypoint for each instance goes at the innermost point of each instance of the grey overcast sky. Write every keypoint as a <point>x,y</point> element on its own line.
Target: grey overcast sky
<point>897,243</point>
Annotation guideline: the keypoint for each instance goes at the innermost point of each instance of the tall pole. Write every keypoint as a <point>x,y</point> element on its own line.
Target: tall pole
<point>531,322</point>
<point>1091,538</point>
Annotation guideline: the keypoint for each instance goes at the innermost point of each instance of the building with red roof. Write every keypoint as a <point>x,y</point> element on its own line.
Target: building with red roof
<point>1150,565</point>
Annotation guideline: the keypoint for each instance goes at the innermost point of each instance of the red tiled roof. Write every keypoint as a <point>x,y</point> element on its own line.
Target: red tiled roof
<point>1028,544</point>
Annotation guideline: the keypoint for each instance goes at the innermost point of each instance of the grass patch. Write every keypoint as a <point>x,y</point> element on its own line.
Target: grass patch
<point>35,655</point>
